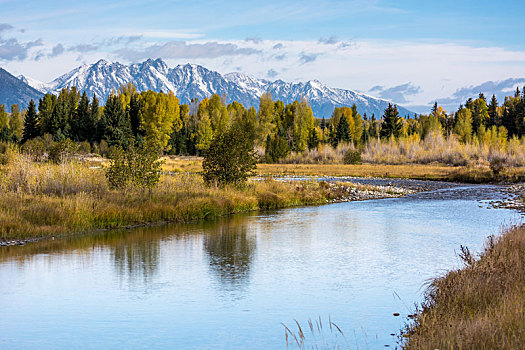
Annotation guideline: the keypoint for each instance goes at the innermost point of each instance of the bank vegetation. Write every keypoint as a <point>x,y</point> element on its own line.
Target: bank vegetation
<point>481,306</point>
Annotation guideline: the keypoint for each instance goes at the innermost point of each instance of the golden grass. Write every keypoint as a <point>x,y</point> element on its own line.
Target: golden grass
<point>481,306</point>
<point>43,199</point>
<point>433,171</point>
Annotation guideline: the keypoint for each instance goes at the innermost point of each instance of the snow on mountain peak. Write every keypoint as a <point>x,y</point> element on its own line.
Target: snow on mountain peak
<point>194,81</point>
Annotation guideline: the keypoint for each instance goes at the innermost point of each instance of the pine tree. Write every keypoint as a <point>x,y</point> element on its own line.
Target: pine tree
<point>493,112</point>
<point>31,123</point>
<point>46,105</point>
<point>114,126</point>
<point>134,115</point>
<point>313,139</point>
<point>80,125</point>
<point>342,133</point>
<point>392,125</point>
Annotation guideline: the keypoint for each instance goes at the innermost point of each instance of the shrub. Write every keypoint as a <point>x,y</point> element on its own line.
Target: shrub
<point>62,151</point>
<point>135,167</point>
<point>497,164</point>
<point>352,157</point>
<point>230,159</point>
<point>36,148</point>
<point>84,147</point>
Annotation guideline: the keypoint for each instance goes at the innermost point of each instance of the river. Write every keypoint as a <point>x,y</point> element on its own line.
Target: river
<point>230,284</point>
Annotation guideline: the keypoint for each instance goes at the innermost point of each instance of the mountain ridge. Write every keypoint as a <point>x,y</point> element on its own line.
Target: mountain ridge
<point>189,81</point>
<point>14,91</point>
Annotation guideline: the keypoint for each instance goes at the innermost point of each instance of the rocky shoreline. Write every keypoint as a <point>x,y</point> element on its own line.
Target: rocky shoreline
<point>514,198</point>
<point>348,189</point>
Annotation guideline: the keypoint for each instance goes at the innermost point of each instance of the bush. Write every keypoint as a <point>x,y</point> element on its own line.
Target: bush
<point>352,157</point>
<point>497,164</point>
<point>230,159</point>
<point>135,167</point>
<point>36,148</point>
<point>62,151</point>
<point>84,148</point>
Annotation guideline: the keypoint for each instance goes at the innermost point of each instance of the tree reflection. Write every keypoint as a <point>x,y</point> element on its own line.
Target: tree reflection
<point>230,252</point>
<point>137,256</point>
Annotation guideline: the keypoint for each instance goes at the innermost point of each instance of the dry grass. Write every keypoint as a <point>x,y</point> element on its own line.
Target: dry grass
<point>436,148</point>
<point>43,199</point>
<point>481,306</point>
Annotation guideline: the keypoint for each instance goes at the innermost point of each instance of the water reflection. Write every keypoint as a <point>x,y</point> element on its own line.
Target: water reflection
<point>137,257</point>
<point>230,250</point>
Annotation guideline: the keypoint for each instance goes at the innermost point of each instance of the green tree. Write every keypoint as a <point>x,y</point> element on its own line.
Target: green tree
<point>342,133</point>
<point>392,124</point>
<point>136,167</point>
<point>81,127</point>
<point>16,123</point>
<point>5,134</point>
<point>493,112</point>
<point>46,105</point>
<point>114,126</point>
<point>31,123</point>
<point>230,159</point>
<point>463,127</point>
<point>480,115</point>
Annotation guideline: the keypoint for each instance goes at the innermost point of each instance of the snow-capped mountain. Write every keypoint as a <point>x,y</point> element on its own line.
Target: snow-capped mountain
<point>193,81</point>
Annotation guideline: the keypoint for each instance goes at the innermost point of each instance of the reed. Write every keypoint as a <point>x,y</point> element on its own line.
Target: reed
<point>481,306</point>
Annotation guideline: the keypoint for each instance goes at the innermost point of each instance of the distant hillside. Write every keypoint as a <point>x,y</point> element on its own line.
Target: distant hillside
<point>15,91</point>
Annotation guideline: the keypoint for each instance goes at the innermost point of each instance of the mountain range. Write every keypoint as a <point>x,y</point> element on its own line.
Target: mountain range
<point>194,81</point>
<point>13,91</point>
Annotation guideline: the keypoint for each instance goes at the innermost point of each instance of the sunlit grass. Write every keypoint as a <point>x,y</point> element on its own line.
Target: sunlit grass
<point>45,199</point>
<point>481,306</point>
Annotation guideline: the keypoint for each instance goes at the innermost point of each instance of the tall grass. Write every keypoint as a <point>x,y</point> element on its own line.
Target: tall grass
<point>323,154</point>
<point>436,148</point>
<point>46,199</point>
<point>481,306</point>
<point>412,150</point>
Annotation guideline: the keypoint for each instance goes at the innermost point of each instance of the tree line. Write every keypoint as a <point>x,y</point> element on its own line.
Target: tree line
<point>129,117</point>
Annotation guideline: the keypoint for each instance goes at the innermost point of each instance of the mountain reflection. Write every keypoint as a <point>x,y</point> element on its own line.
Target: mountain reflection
<point>230,252</point>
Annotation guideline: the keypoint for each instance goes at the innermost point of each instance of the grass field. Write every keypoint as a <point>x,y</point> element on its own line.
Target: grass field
<point>431,171</point>
<point>42,199</point>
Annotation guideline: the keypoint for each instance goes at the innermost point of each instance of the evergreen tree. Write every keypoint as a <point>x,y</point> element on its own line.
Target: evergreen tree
<point>392,124</point>
<point>134,115</point>
<point>493,112</point>
<point>31,123</point>
<point>80,125</point>
<point>342,133</point>
<point>313,139</point>
<point>114,126</point>
<point>46,105</point>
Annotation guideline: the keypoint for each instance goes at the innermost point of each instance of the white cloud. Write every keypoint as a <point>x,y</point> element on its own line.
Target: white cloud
<point>435,69</point>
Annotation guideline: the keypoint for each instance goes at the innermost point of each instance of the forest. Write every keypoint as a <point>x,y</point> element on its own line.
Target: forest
<point>279,132</point>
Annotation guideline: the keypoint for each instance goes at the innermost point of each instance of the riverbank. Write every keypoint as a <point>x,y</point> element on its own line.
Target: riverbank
<point>43,200</point>
<point>481,306</point>
<point>433,171</point>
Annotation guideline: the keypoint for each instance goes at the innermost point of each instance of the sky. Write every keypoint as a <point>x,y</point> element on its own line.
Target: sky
<point>410,52</point>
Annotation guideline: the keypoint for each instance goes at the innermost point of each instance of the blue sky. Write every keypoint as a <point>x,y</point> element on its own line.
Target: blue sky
<point>409,51</point>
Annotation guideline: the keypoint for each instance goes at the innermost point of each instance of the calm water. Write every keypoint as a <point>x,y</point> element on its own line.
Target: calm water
<point>230,284</point>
